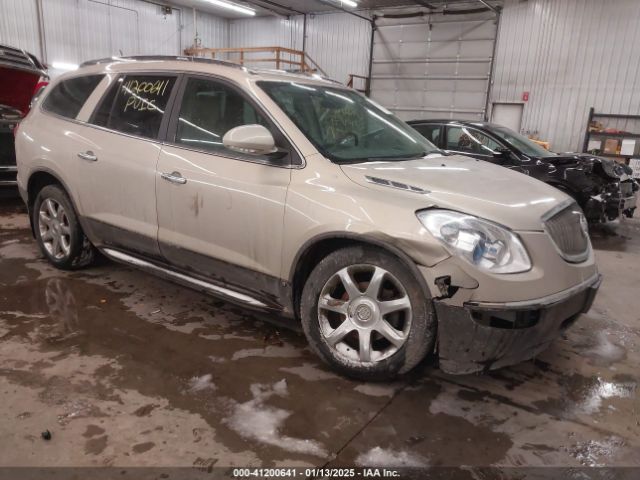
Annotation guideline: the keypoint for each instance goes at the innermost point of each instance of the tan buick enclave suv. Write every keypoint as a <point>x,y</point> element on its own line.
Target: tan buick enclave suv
<point>295,195</point>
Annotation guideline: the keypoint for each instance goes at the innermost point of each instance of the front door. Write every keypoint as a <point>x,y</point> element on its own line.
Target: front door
<point>468,141</point>
<point>220,213</point>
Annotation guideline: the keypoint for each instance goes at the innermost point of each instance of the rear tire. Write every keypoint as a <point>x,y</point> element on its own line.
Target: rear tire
<point>366,315</point>
<point>58,231</point>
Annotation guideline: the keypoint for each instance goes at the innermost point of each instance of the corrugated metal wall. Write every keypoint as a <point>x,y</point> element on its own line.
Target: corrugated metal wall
<point>338,42</point>
<point>213,31</point>
<point>266,32</point>
<point>79,30</point>
<point>19,25</point>
<point>570,55</point>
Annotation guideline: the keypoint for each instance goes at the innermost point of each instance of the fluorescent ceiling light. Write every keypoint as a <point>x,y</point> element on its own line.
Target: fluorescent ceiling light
<point>64,66</point>
<point>349,3</point>
<point>233,6</point>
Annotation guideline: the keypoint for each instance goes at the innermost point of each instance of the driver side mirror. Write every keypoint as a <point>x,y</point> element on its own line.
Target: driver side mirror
<point>501,154</point>
<point>250,139</point>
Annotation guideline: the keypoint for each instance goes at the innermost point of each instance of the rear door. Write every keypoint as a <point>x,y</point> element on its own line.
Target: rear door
<point>116,161</point>
<point>220,213</point>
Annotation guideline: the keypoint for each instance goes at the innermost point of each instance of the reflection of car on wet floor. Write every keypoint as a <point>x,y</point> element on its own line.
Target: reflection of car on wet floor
<point>303,198</point>
<point>21,76</point>
<point>604,188</point>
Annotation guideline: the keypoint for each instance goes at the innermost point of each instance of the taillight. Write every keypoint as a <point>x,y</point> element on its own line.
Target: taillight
<point>40,85</point>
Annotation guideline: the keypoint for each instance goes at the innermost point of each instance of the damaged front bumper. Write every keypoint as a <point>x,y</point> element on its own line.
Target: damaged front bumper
<point>484,336</point>
<point>609,205</point>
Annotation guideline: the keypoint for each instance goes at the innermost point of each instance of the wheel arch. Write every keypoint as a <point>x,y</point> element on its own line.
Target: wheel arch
<point>39,179</point>
<point>316,248</point>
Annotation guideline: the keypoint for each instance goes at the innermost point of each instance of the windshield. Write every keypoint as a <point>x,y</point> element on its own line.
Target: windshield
<point>347,127</point>
<point>521,142</point>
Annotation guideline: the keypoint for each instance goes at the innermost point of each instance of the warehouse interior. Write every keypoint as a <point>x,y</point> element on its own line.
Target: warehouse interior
<point>111,367</point>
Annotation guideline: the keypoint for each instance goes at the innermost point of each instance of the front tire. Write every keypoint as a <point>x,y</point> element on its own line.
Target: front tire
<point>366,315</point>
<point>58,231</point>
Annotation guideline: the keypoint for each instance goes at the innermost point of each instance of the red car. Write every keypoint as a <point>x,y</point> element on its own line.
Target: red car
<point>22,75</point>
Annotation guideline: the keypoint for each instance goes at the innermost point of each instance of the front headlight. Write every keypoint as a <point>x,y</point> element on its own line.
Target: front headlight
<point>485,245</point>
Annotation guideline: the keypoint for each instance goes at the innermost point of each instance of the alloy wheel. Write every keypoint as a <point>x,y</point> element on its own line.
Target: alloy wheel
<point>55,231</point>
<point>364,313</point>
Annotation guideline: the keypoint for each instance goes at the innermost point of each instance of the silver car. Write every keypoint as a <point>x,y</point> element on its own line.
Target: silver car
<point>295,195</point>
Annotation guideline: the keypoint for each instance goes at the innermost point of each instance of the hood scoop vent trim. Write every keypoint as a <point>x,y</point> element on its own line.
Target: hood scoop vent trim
<point>400,186</point>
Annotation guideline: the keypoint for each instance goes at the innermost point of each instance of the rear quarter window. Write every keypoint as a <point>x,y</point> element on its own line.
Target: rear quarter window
<point>135,105</point>
<point>68,96</point>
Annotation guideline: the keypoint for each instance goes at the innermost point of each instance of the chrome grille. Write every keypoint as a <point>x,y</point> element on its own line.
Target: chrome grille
<point>568,231</point>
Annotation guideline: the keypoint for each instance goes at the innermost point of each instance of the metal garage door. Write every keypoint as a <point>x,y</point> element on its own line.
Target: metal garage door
<point>434,66</point>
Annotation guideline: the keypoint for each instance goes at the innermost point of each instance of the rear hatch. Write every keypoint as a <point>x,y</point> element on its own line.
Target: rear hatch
<point>20,74</point>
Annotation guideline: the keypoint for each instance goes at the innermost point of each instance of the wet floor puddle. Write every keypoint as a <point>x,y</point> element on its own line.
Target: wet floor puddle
<point>82,340</point>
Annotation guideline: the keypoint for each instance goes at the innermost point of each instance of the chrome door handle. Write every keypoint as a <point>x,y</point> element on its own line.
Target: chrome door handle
<point>174,177</point>
<point>88,156</point>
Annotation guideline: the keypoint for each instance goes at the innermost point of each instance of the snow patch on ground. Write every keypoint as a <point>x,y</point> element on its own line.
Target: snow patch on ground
<point>200,384</point>
<point>258,421</point>
<point>376,390</point>
<point>311,372</point>
<point>271,351</point>
<point>380,457</point>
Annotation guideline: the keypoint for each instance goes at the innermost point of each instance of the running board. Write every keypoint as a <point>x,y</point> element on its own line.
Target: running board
<point>182,278</point>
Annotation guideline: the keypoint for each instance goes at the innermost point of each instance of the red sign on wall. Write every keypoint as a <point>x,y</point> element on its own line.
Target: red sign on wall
<point>525,96</point>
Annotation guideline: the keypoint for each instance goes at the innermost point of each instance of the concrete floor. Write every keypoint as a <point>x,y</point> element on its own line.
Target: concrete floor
<point>126,369</point>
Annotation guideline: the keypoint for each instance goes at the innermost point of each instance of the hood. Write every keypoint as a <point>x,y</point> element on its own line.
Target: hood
<point>605,167</point>
<point>466,185</point>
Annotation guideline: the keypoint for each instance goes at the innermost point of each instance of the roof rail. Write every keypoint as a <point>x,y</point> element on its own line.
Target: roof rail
<point>141,58</point>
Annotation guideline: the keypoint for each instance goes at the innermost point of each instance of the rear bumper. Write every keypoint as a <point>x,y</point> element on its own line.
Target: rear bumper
<point>8,176</point>
<point>485,336</point>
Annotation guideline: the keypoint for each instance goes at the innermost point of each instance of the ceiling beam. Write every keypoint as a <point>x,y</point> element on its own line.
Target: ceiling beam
<point>337,7</point>
<point>489,6</point>
<point>286,8</point>
<point>426,4</point>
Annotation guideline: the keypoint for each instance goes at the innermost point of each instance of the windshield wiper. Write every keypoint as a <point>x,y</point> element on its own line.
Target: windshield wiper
<point>383,158</point>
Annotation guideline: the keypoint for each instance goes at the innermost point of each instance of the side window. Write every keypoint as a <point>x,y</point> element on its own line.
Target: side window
<point>209,110</point>
<point>430,132</point>
<point>135,105</point>
<point>68,96</point>
<point>463,139</point>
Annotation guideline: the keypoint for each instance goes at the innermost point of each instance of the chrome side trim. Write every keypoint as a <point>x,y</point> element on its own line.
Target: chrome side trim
<point>593,282</point>
<point>11,168</point>
<point>182,278</point>
<point>8,183</point>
